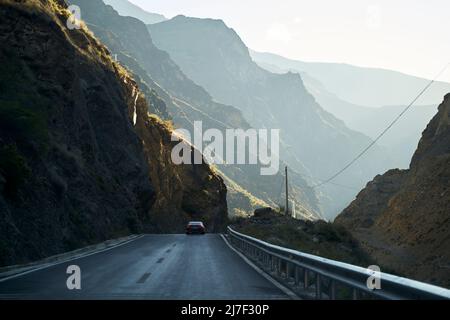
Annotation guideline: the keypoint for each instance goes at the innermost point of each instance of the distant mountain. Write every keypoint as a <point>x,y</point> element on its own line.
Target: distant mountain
<point>402,218</point>
<point>401,140</point>
<point>362,86</point>
<point>126,8</point>
<point>81,159</point>
<point>186,102</point>
<point>315,143</point>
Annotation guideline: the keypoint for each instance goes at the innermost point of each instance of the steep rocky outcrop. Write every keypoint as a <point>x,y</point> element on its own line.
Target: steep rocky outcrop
<point>402,218</point>
<point>183,192</point>
<point>81,158</point>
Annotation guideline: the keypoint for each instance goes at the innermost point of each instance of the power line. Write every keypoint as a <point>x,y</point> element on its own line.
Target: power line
<point>383,132</point>
<point>333,183</point>
<point>338,185</point>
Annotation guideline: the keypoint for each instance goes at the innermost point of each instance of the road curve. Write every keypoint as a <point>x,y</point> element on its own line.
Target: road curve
<point>151,267</point>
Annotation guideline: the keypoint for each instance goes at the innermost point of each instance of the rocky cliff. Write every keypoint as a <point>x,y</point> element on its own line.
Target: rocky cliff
<point>81,158</point>
<point>402,218</point>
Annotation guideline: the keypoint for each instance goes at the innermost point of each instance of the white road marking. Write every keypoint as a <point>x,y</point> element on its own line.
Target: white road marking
<point>45,266</point>
<point>287,291</point>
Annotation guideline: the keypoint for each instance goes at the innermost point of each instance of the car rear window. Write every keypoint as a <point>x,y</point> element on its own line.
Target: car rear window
<point>195,224</point>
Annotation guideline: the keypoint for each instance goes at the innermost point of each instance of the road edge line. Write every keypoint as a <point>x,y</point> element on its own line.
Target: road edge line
<point>52,264</point>
<point>283,288</point>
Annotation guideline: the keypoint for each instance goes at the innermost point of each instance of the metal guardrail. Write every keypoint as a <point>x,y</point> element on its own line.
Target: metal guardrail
<point>314,277</point>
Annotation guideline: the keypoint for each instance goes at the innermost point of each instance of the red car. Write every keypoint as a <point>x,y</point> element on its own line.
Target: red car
<point>195,227</point>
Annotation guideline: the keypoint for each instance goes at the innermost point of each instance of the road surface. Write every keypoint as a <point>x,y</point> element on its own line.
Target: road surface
<point>151,267</point>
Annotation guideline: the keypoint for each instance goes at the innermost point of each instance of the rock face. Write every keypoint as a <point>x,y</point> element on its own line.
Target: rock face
<point>81,159</point>
<point>402,218</point>
<point>183,192</point>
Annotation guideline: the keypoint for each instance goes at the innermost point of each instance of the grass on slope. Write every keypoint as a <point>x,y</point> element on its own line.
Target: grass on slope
<point>314,237</point>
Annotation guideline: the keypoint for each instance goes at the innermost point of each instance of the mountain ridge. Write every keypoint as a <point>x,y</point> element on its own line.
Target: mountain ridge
<point>364,86</point>
<point>126,8</point>
<point>400,141</point>
<point>187,102</point>
<point>215,57</point>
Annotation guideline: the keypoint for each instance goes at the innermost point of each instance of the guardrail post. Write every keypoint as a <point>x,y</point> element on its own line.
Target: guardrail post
<point>332,289</point>
<point>279,267</point>
<point>318,287</point>
<point>355,294</point>
<point>288,270</point>
<point>305,280</point>
<point>296,275</point>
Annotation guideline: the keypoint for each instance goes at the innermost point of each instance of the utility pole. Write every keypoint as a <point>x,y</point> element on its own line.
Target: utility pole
<point>287,192</point>
<point>294,215</point>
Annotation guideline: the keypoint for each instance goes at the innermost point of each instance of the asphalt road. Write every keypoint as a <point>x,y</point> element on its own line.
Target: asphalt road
<point>151,267</point>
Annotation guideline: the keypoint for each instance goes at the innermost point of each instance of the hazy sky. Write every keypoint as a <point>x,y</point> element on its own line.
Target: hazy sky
<point>409,36</point>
